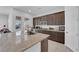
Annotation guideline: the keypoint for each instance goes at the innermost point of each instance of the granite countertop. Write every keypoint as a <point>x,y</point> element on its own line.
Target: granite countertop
<point>56,30</point>
<point>9,42</point>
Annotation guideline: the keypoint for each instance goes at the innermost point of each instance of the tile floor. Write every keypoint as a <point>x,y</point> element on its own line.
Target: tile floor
<point>57,47</point>
<point>52,47</point>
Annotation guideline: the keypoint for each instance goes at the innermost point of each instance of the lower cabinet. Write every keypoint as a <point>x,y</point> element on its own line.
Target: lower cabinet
<point>55,36</point>
<point>60,37</point>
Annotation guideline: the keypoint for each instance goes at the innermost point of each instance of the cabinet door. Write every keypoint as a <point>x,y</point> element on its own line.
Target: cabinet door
<point>59,18</point>
<point>53,19</point>
<point>56,19</point>
<point>50,19</point>
<point>44,20</point>
<point>39,21</point>
<point>62,18</point>
<point>53,36</point>
<point>60,37</point>
<point>34,22</point>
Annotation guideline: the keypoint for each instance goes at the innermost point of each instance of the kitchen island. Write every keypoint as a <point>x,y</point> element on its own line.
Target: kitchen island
<point>9,42</point>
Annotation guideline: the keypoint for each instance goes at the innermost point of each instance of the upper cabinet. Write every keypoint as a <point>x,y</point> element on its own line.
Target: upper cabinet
<point>51,19</point>
<point>59,18</point>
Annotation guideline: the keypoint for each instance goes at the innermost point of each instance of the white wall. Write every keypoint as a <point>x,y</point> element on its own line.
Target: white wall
<point>12,14</point>
<point>3,20</point>
<point>4,10</point>
<point>4,14</point>
<point>22,14</point>
<point>72,28</point>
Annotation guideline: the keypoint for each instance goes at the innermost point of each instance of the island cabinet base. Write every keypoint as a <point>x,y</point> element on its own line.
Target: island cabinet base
<point>44,45</point>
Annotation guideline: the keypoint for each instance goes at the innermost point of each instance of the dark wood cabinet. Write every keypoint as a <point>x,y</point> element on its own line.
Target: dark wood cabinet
<point>60,37</point>
<point>40,20</point>
<point>51,19</point>
<point>59,18</point>
<point>54,36</point>
<point>34,23</point>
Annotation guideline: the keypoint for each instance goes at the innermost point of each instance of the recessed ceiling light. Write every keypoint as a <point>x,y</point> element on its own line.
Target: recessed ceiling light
<point>29,11</point>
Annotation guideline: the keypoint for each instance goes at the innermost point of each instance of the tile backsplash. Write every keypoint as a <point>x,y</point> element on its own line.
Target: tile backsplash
<point>52,27</point>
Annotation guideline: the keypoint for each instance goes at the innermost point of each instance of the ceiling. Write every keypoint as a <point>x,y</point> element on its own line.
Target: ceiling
<point>37,10</point>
